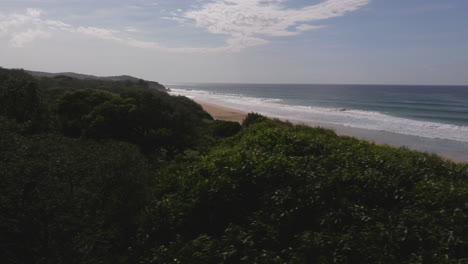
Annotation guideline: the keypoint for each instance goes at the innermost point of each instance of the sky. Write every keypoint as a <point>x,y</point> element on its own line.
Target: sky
<point>242,41</point>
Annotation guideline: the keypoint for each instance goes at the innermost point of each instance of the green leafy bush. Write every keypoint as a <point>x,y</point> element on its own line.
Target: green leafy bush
<point>278,193</point>
<point>225,128</point>
<point>117,172</point>
<point>152,120</point>
<point>253,118</point>
<point>21,99</point>
<point>68,200</point>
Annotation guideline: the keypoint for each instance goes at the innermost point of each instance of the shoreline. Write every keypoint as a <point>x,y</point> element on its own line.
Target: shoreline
<point>220,112</point>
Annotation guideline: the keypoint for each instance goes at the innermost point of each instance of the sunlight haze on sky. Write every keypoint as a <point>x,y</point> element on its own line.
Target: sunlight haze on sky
<point>242,41</point>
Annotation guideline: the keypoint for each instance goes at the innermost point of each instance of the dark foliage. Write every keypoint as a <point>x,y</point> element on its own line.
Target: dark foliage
<point>278,193</point>
<point>21,99</point>
<point>226,128</point>
<point>253,118</point>
<point>68,200</point>
<point>96,171</point>
<point>150,119</point>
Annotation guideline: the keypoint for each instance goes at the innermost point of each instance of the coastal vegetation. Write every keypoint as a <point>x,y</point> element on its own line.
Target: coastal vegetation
<point>104,171</point>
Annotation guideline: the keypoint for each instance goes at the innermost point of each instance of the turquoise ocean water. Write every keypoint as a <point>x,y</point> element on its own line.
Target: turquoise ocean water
<point>426,118</point>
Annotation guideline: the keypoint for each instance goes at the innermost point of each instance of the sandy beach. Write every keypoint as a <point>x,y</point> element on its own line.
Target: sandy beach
<point>223,113</point>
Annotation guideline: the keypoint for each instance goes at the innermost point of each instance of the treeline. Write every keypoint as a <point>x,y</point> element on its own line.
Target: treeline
<point>91,79</point>
<point>99,171</point>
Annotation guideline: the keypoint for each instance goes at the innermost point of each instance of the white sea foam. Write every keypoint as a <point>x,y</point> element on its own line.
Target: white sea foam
<point>319,115</point>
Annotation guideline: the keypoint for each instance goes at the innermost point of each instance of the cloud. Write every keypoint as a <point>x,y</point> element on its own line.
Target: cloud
<point>305,27</point>
<point>54,24</point>
<point>181,20</point>
<point>248,22</point>
<point>131,29</point>
<point>100,33</point>
<point>13,26</point>
<point>114,35</point>
<point>22,29</point>
<point>20,39</point>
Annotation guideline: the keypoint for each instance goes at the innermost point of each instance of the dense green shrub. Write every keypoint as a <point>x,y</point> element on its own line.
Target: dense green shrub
<point>278,193</point>
<point>72,108</point>
<point>109,84</point>
<point>68,200</point>
<point>150,119</point>
<point>225,128</point>
<point>76,187</point>
<point>253,118</point>
<point>22,100</point>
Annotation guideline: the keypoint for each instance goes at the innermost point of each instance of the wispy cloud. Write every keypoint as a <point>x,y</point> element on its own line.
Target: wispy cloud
<point>22,38</point>
<point>12,27</point>
<point>25,28</point>
<point>131,29</point>
<point>101,33</point>
<point>246,23</point>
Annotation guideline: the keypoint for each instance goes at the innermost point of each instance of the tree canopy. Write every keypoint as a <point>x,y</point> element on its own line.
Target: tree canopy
<point>96,171</point>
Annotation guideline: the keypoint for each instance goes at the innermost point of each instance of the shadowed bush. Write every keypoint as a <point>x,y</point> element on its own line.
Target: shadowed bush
<point>253,118</point>
<point>226,128</point>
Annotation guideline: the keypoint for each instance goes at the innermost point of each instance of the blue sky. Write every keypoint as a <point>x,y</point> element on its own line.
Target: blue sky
<point>252,41</point>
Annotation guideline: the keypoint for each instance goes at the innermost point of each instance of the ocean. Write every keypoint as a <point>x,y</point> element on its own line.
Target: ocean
<point>432,119</point>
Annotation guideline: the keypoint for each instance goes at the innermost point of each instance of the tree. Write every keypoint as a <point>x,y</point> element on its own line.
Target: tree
<point>68,200</point>
<point>21,99</point>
